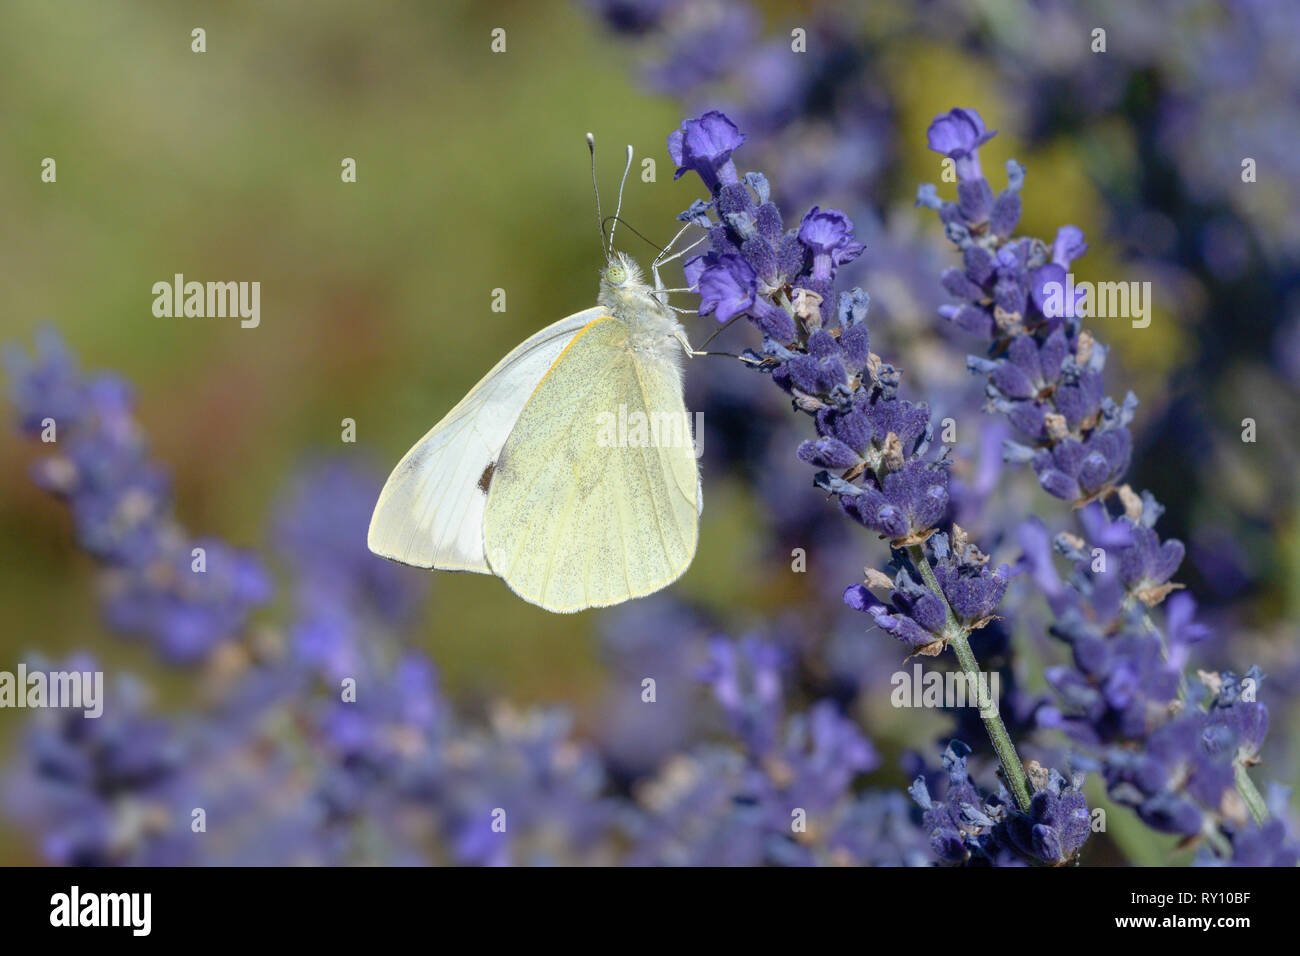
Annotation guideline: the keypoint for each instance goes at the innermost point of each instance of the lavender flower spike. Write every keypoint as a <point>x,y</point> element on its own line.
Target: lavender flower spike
<point>871,446</point>
<point>1124,695</point>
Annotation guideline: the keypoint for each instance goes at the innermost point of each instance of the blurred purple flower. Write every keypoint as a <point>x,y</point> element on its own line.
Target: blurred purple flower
<point>187,596</point>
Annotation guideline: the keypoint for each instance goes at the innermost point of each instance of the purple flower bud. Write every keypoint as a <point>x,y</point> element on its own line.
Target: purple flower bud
<point>1058,484</point>
<point>1005,214</point>
<point>973,593</point>
<point>971,318</point>
<point>856,344</point>
<point>979,263</point>
<point>760,255</point>
<point>974,199</point>
<point>828,453</point>
<point>736,208</point>
<point>1009,379</point>
<point>793,256</point>
<point>820,371</point>
<point>902,628</point>
<point>1009,294</point>
<point>958,284</point>
<point>773,321</point>
<point>769,222</point>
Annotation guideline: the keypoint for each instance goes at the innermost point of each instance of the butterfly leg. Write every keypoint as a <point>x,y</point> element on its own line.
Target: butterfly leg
<point>661,293</point>
<point>664,256</point>
<point>666,249</point>
<point>680,336</point>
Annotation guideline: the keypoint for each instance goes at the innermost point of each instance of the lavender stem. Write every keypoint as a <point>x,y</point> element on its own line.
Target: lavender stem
<point>1012,769</point>
<point>1249,793</point>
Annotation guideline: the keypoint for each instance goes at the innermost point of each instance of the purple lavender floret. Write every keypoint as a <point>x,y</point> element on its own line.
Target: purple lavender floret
<point>828,237</point>
<point>962,825</point>
<point>704,146</point>
<point>48,385</point>
<point>958,134</point>
<point>727,285</point>
<point>1082,472</point>
<point>1036,380</point>
<point>754,267</point>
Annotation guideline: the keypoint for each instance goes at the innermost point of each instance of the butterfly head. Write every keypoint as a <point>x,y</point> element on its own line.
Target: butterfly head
<point>621,281</point>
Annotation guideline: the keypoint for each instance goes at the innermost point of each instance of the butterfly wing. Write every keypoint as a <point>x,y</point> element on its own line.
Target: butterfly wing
<point>575,520</point>
<point>430,512</point>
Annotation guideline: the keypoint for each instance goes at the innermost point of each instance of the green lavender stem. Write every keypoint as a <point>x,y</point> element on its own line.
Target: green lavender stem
<point>1246,787</point>
<point>1012,769</point>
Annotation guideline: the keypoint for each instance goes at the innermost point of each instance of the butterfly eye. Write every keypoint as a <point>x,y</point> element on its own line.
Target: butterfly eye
<point>616,274</point>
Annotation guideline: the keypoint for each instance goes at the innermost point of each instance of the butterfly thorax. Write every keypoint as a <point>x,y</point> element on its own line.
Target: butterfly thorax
<point>631,300</point>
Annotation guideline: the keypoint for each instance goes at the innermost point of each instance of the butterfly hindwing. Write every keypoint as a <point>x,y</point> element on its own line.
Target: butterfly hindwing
<point>430,512</point>
<point>575,519</point>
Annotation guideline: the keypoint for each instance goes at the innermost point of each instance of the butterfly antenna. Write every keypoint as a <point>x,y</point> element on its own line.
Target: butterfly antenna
<point>600,221</point>
<point>640,235</point>
<point>619,208</point>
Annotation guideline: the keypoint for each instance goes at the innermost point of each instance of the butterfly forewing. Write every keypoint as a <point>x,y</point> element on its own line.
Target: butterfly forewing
<point>581,514</point>
<point>430,512</point>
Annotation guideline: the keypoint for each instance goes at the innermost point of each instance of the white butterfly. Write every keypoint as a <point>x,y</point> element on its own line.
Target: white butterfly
<point>518,480</point>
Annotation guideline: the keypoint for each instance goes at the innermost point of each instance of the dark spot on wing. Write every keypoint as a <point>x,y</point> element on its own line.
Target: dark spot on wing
<point>485,479</point>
